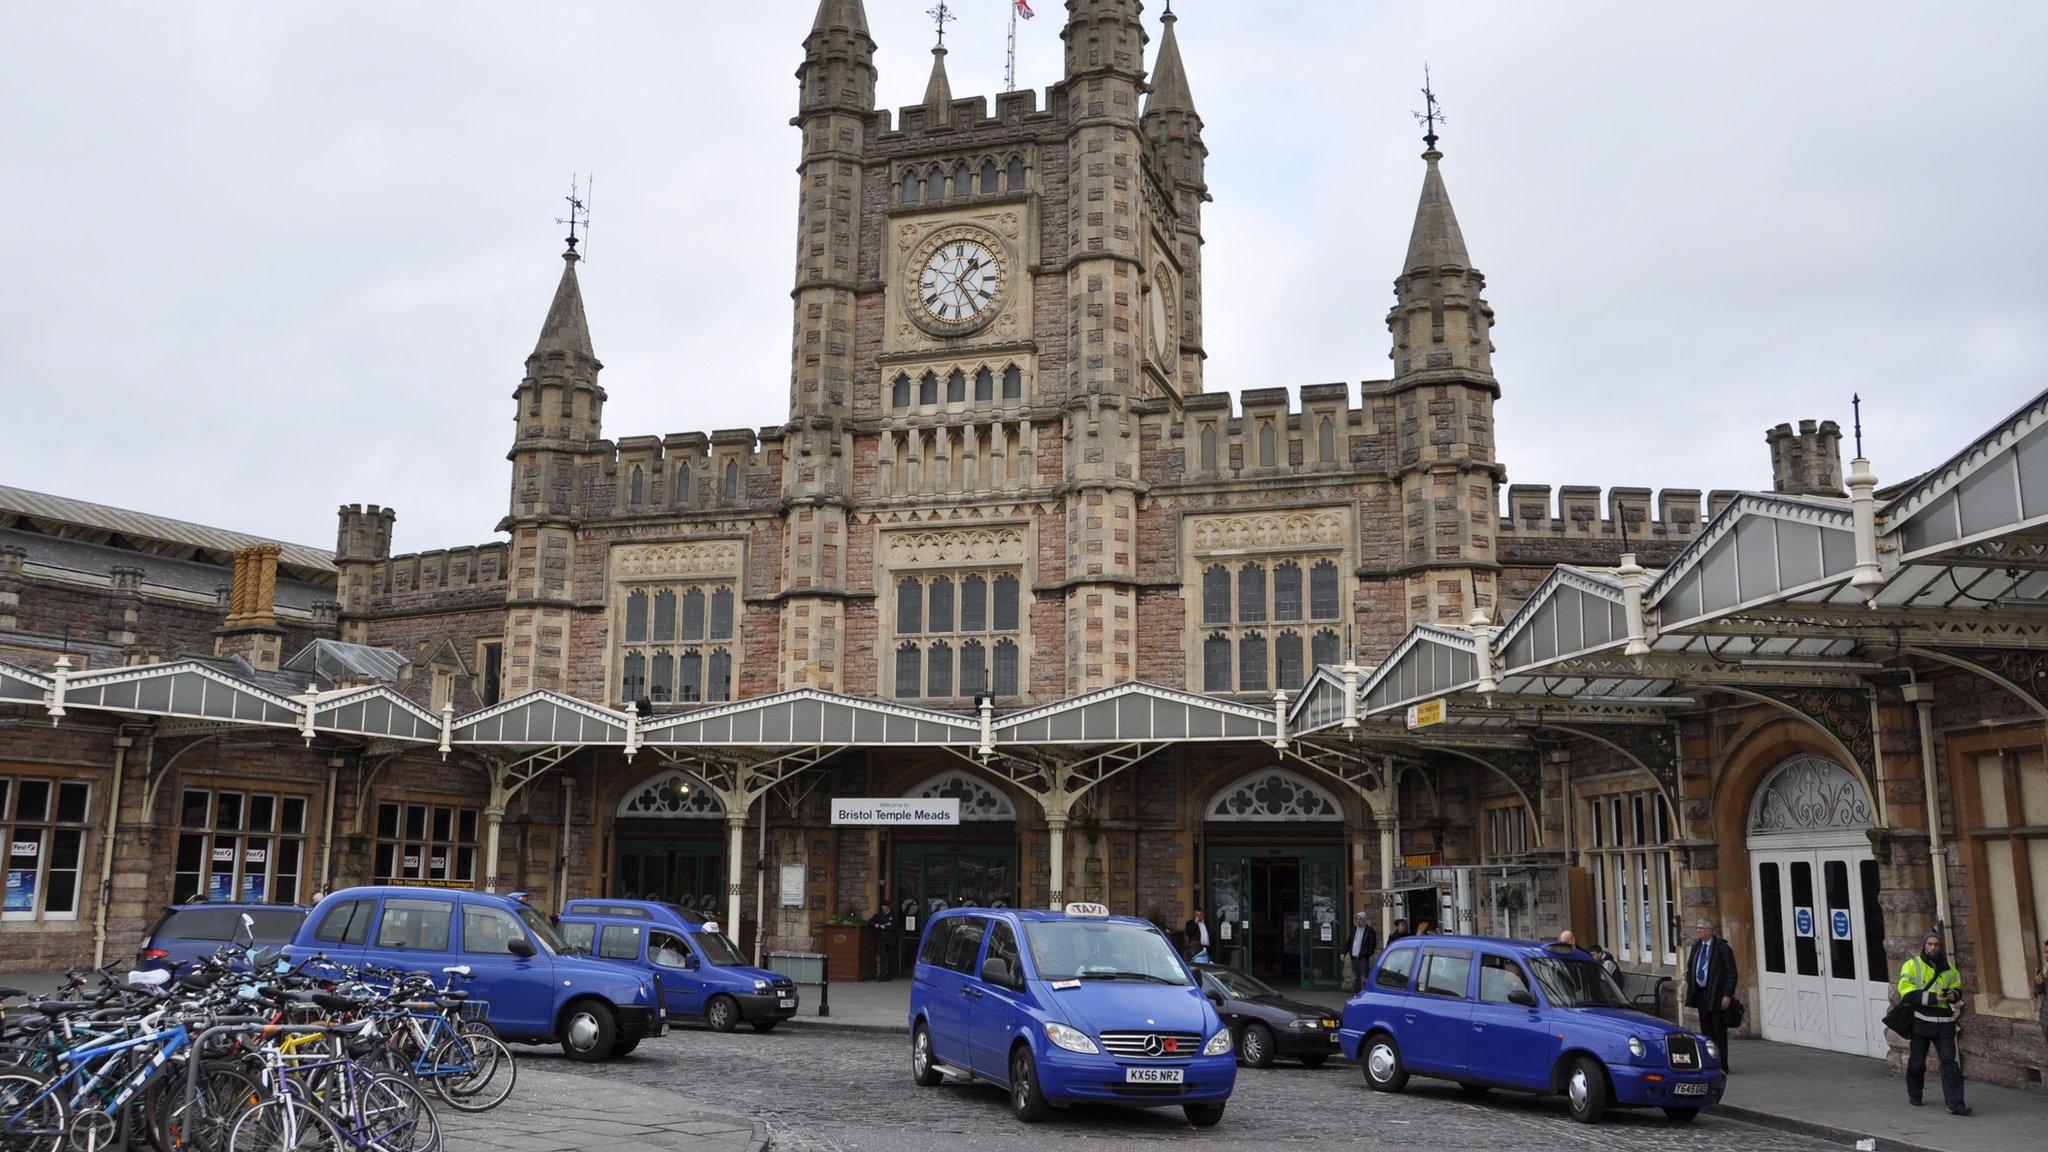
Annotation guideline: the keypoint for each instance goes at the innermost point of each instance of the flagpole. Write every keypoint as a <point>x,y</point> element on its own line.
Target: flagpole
<point>1010,61</point>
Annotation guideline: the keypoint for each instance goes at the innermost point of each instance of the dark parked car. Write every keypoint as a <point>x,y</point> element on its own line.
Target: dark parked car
<point>186,932</point>
<point>1267,1024</point>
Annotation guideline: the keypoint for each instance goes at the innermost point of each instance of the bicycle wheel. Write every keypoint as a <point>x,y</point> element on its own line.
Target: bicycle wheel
<point>29,1123</point>
<point>397,1116</point>
<point>473,1073</point>
<point>178,1124</point>
<point>283,1124</point>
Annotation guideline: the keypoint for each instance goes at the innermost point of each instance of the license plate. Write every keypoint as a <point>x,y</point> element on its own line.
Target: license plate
<point>1152,1075</point>
<point>1688,1089</point>
<point>1335,1039</point>
<point>785,1003</point>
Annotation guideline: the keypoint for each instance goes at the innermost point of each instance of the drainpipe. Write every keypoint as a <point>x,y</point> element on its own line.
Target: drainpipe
<point>327,835</point>
<point>568,799</point>
<point>1921,695</point>
<point>113,833</point>
<point>760,881</point>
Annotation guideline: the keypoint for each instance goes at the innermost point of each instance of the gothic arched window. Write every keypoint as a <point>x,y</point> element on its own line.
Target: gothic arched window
<point>732,481</point>
<point>1216,663</point>
<point>1287,590</point>
<point>1251,662</point>
<point>1251,594</point>
<point>682,484</point>
<point>1323,649</point>
<point>1013,383</point>
<point>956,387</point>
<point>690,677</point>
<point>1016,177</point>
<point>973,603</point>
<point>1268,443</point>
<point>665,614</point>
<point>935,185</point>
<point>1216,595</point>
<point>636,618</point>
<point>1326,442</point>
<point>1287,671</point>
<point>1322,591</point>
<point>910,187</point>
<point>909,665</point>
<point>960,178</point>
<point>693,614</point>
<point>939,670</point>
<point>1006,668</point>
<point>899,392</point>
<point>660,677</point>
<point>718,675</point>
<point>721,612</point>
<point>1207,460</point>
<point>1006,603</point>
<point>928,388</point>
<point>910,607</point>
<point>939,618</point>
<point>984,384</point>
<point>639,488</point>
<point>633,682</point>
<point>988,177</point>
<point>973,668</point>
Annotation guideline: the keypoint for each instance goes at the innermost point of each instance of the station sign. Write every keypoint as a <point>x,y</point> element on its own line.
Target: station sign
<point>1425,714</point>
<point>895,811</point>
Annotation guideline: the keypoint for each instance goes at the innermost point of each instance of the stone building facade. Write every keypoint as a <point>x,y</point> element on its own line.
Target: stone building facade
<point>1000,484</point>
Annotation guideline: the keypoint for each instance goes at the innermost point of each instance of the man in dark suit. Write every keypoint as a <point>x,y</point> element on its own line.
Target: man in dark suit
<point>1711,979</point>
<point>1365,940</point>
<point>1195,936</point>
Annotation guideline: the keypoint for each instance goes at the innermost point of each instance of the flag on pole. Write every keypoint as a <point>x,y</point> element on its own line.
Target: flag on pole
<point>1024,9</point>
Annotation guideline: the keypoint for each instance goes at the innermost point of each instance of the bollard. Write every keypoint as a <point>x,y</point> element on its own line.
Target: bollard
<point>824,990</point>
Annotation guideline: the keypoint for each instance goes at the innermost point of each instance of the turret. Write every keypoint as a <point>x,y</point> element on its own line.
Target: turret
<point>1174,130</point>
<point>560,405</point>
<point>362,543</point>
<point>1807,462</point>
<point>1444,391</point>
<point>838,72</point>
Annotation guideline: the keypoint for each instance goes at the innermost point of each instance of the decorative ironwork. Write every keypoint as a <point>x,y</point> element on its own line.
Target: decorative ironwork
<point>1842,713</point>
<point>1654,746</point>
<point>978,801</point>
<point>2025,671</point>
<point>1810,794</point>
<point>1274,794</point>
<point>673,795</point>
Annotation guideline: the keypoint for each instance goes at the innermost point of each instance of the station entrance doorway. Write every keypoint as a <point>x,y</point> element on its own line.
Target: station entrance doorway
<point>1275,912</point>
<point>670,845</point>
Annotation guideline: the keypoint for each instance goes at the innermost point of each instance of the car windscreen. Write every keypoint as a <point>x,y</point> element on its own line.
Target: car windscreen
<point>1241,985</point>
<point>719,950</point>
<point>1097,950</point>
<point>273,925</point>
<point>1577,983</point>
<point>542,930</point>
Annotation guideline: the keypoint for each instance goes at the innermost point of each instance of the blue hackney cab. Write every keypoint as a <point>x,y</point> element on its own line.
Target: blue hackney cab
<point>1541,1018</point>
<point>699,969</point>
<point>1065,1007</point>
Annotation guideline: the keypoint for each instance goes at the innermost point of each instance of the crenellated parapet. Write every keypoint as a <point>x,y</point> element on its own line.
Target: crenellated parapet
<point>439,573</point>
<point>732,468</point>
<point>1539,522</point>
<point>919,128</point>
<point>1268,431</point>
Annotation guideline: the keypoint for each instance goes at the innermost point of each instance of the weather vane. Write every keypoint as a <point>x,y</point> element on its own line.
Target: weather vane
<point>941,16</point>
<point>1432,114</point>
<point>579,210</point>
<point>1856,404</point>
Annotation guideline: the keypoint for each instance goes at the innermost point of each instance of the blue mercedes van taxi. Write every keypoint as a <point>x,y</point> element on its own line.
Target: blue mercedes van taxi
<point>539,991</point>
<point>1539,1018</point>
<point>1062,1007</point>
<point>701,971</point>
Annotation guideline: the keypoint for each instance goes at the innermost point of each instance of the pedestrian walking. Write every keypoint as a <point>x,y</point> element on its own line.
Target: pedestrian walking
<point>1568,938</point>
<point>1935,989</point>
<point>2041,993</point>
<point>1195,937</point>
<point>1365,940</point>
<point>1607,961</point>
<point>1710,984</point>
<point>1400,931</point>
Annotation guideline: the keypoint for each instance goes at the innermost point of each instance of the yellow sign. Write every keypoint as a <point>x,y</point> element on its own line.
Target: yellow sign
<point>1425,714</point>
<point>1419,860</point>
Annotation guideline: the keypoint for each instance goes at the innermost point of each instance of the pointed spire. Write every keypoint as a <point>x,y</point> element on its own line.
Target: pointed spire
<point>938,93</point>
<point>1169,79</point>
<point>1436,241</point>
<point>846,15</point>
<point>566,329</point>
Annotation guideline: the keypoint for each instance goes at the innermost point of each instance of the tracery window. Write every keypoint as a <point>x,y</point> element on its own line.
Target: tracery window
<point>959,635</point>
<point>1266,639</point>
<point>679,642</point>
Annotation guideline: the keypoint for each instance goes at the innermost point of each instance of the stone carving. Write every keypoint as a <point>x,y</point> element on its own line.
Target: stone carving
<point>688,558</point>
<point>1270,530</point>
<point>1810,794</point>
<point>672,796</point>
<point>978,801</point>
<point>956,546</point>
<point>1274,795</point>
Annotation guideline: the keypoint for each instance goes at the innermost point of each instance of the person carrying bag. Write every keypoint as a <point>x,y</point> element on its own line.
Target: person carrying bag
<point>1934,990</point>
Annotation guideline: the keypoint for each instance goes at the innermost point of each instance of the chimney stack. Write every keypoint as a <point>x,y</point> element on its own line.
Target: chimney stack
<point>250,630</point>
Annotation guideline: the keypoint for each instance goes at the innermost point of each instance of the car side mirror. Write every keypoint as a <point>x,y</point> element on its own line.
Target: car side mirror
<point>1522,996</point>
<point>689,959</point>
<point>1214,996</point>
<point>520,946</point>
<point>997,970</point>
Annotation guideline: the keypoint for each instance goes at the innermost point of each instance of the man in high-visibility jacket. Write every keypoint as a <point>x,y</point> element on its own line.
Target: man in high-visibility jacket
<point>1935,989</point>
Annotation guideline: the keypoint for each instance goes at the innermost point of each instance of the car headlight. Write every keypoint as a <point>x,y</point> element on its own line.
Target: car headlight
<point>1301,1025</point>
<point>1713,1050</point>
<point>1072,1039</point>
<point>1218,1045</point>
<point>760,985</point>
<point>1636,1047</point>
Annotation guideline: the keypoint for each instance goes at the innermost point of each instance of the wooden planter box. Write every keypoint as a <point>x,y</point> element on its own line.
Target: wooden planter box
<point>849,952</point>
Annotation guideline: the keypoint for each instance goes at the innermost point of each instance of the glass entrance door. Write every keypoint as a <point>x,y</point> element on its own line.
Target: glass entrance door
<point>1275,913</point>
<point>690,873</point>
<point>950,875</point>
<point>1822,968</point>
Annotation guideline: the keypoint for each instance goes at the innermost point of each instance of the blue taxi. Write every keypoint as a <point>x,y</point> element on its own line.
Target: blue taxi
<point>698,968</point>
<point>1063,1007</point>
<point>1541,1018</point>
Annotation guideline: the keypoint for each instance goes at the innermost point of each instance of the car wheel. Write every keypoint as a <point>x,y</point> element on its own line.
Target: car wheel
<point>1314,1060</point>
<point>623,1047</point>
<point>722,1014</point>
<point>1682,1114</point>
<point>923,1070</point>
<point>1202,1115</point>
<point>1027,1101</point>
<point>1255,1046</point>
<point>1585,1086</point>
<point>764,1025</point>
<point>588,1031</point>
<point>1384,1071</point>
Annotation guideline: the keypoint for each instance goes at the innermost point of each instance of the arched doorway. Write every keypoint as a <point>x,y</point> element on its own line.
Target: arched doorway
<point>974,863</point>
<point>1821,967</point>
<point>1273,842</point>
<point>671,848</point>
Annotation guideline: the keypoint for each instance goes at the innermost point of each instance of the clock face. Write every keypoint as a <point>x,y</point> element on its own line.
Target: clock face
<point>1159,319</point>
<point>959,284</point>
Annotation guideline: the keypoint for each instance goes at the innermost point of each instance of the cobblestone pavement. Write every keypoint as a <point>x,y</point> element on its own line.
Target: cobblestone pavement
<point>557,1108</point>
<point>821,1091</point>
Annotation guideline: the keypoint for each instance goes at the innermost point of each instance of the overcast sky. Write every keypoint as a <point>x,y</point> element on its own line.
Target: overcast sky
<point>265,258</point>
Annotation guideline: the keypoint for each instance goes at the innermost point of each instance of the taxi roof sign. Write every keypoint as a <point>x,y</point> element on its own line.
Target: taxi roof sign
<point>710,926</point>
<point>1078,909</point>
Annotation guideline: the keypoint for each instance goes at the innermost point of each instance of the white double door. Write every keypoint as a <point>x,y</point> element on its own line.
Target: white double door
<point>1821,968</point>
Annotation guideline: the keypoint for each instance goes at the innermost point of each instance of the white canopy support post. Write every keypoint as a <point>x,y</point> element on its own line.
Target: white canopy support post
<point>1280,719</point>
<point>1056,832</point>
<point>494,815</point>
<point>447,727</point>
<point>57,680</point>
<point>1390,836</point>
<point>1868,577</point>
<point>1482,632</point>
<point>987,709</point>
<point>1633,578</point>
<point>736,847</point>
<point>568,802</point>
<point>1352,674</point>
<point>308,701</point>
<point>632,729</point>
